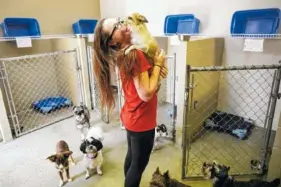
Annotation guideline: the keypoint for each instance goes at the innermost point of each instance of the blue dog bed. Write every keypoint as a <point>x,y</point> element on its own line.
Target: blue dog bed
<point>50,104</point>
<point>229,123</point>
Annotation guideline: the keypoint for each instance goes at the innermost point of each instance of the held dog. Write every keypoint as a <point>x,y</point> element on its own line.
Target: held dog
<point>164,180</point>
<point>61,160</point>
<point>160,131</point>
<point>220,175</point>
<point>92,147</point>
<point>82,119</point>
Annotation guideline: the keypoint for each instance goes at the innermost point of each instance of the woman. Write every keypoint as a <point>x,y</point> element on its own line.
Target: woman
<point>139,81</point>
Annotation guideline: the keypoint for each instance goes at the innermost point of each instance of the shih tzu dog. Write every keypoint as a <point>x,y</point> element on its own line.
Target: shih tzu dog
<point>160,131</point>
<point>61,159</point>
<point>82,119</point>
<point>92,147</point>
<point>220,175</point>
<point>164,180</point>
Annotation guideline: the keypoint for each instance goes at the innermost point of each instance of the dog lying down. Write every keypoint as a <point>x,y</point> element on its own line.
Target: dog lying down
<point>221,178</point>
<point>164,180</point>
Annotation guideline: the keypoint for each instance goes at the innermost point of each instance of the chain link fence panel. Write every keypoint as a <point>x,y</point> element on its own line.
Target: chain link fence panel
<point>226,118</point>
<point>40,89</point>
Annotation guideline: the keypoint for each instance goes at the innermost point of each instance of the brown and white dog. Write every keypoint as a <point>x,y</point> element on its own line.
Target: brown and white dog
<point>61,159</point>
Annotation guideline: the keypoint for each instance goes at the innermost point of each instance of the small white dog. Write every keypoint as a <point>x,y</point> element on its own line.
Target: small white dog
<point>92,147</point>
<point>160,131</point>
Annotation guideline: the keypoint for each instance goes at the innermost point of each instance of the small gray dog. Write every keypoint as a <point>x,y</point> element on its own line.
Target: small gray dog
<point>82,119</point>
<point>164,180</point>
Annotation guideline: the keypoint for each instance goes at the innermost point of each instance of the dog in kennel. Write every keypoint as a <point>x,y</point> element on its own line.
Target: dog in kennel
<point>160,131</point>
<point>220,175</point>
<point>82,119</point>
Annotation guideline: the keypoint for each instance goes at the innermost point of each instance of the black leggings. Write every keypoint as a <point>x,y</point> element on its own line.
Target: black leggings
<point>140,145</point>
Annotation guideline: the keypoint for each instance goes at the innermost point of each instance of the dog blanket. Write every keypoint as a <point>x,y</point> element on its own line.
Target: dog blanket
<point>229,123</point>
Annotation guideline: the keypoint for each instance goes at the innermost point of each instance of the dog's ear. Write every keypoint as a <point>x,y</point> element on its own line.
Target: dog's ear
<point>98,145</point>
<point>142,19</point>
<point>228,168</point>
<point>157,171</point>
<point>167,175</point>
<point>52,158</point>
<point>83,147</point>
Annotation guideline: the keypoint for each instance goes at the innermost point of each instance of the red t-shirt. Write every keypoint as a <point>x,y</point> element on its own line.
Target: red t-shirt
<point>138,115</point>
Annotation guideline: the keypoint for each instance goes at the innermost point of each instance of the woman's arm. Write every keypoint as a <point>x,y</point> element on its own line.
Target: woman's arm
<point>146,86</point>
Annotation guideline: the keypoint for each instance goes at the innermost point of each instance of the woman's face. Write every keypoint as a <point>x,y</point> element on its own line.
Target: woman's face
<point>117,31</point>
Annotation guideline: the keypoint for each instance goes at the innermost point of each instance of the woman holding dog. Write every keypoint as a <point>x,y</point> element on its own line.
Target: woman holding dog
<point>139,81</point>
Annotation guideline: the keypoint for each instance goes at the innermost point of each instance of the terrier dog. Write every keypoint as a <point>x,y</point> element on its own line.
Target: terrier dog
<point>61,159</point>
<point>164,180</point>
<point>82,119</point>
<point>160,131</point>
<point>221,178</point>
<point>91,147</point>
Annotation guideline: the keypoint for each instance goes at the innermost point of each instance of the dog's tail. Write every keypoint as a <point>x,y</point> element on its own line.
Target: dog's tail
<point>275,182</point>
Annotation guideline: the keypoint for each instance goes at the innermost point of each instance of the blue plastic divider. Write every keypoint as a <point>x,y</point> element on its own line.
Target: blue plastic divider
<point>84,26</point>
<point>256,22</point>
<point>181,23</point>
<point>18,27</point>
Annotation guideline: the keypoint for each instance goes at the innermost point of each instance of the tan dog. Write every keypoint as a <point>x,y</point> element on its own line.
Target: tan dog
<point>141,37</point>
<point>61,159</point>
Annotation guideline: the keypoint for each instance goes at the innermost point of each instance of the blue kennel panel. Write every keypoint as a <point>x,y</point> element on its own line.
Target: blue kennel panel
<point>257,21</point>
<point>84,26</point>
<point>50,104</point>
<point>181,23</point>
<point>17,27</point>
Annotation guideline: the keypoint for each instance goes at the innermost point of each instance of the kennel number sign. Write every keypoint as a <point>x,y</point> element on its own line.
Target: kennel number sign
<point>24,42</point>
<point>254,45</point>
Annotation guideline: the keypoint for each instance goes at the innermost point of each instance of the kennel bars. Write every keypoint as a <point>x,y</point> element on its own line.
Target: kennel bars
<point>32,82</point>
<point>249,91</point>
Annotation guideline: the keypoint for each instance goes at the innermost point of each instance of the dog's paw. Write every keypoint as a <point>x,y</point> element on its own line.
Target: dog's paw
<point>70,180</point>
<point>99,172</point>
<point>61,183</point>
<point>87,176</point>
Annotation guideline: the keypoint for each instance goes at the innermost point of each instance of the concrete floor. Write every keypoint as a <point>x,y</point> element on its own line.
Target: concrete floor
<point>23,160</point>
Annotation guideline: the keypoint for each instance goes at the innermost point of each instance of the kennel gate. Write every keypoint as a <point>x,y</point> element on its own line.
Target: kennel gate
<point>40,89</point>
<point>94,90</point>
<point>229,119</point>
<point>166,107</point>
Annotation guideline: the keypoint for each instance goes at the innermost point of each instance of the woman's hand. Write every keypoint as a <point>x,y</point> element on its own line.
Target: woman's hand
<point>159,59</point>
<point>164,71</point>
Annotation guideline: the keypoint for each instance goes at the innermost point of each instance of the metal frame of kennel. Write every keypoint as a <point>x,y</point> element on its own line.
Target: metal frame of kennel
<point>23,113</point>
<point>189,145</point>
<point>166,95</point>
<point>94,90</point>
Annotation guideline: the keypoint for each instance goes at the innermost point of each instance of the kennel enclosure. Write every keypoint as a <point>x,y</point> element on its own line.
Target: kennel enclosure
<point>232,121</point>
<point>40,89</point>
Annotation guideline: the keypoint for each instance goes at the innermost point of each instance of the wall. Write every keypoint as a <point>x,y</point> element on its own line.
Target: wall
<point>55,17</point>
